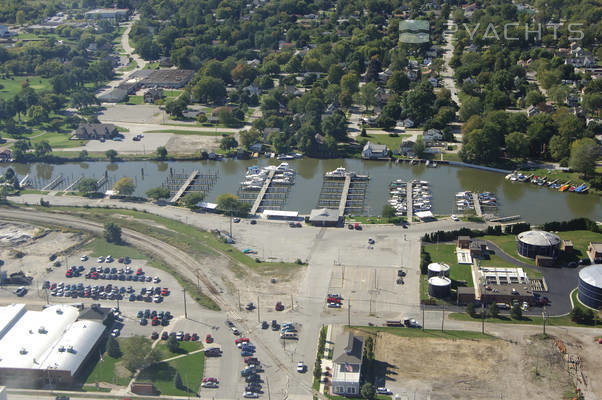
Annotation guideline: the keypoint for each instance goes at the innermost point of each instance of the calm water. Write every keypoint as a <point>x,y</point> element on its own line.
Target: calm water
<point>535,204</point>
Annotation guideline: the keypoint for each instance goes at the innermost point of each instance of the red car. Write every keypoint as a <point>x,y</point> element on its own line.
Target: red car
<point>165,292</point>
<point>279,306</point>
<point>208,339</point>
<point>211,380</point>
<point>155,322</point>
<point>187,337</point>
<point>241,340</point>
<point>194,337</point>
<point>68,274</point>
<point>139,271</point>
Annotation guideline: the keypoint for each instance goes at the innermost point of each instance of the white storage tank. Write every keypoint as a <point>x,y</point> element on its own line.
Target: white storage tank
<point>438,269</point>
<point>439,287</point>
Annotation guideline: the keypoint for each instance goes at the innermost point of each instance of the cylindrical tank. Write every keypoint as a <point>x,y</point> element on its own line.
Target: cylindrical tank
<point>531,244</point>
<point>590,286</point>
<point>438,269</point>
<point>439,287</point>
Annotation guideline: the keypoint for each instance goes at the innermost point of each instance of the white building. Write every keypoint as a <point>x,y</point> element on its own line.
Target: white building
<point>374,151</point>
<point>347,364</point>
<point>432,135</point>
<point>108,13</point>
<point>51,346</point>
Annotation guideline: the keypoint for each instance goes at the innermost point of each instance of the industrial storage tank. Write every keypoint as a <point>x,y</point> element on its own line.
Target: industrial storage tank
<point>590,286</point>
<point>538,243</point>
<point>438,269</point>
<point>439,287</point>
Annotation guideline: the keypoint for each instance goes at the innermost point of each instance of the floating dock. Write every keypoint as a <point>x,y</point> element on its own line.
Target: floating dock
<point>195,182</point>
<point>262,192</point>
<point>54,183</point>
<point>477,204</point>
<point>345,191</point>
<point>410,202</point>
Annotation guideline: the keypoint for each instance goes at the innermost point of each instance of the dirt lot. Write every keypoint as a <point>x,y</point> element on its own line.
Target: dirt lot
<point>27,248</point>
<point>472,369</point>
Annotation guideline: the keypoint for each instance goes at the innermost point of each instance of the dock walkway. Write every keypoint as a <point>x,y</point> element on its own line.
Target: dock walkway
<point>410,202</point>
<point>185,186</point>
<point>477,204</point>
<point>55,182</point>
<point>344,194</point>
<point>262,192</point>
<point>73,184</point>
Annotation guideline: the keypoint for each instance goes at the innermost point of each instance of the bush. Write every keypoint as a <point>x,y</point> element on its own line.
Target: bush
<point>582,316</point>
<point>470,310</point>
<point>516,312</point>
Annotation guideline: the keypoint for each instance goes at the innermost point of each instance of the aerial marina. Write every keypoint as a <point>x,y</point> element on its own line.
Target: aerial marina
<point>417,193</point>
<point>344,190</point>
<point>267,188</point>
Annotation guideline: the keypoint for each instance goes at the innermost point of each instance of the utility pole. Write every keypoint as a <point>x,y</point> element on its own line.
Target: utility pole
<point>185,311</point>
<point>238,291</point>
<point>292,304</point>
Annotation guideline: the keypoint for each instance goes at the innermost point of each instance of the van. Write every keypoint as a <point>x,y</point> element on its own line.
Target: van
<point>288,335</point>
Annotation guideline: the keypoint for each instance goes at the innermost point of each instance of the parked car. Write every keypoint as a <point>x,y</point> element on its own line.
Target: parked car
<point>84,258</point>
<point>265,325</point>
<point>383,390</point>
<point>300,367</point>
<point>154,335</point>
<point>454,218</point>
<point>208,338</point>
<point>250,395</point>
<point>279,306</point>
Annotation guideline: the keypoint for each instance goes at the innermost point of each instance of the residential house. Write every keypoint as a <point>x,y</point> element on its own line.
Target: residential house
<point>594,252</point>
<point>434,82</point>
<point>292,90</point>
<point>5,154</point>
<point>413,74</point>
<point>431,136</point>
<point>372,151</point>
<point>532,110</point>
<point>407,147</point>
<point>95,132</point>
<point>385,75</point>
<point>408,123</point>
<point>381,95</point>
<point>347,364</point>
<point>254,63</point>
<point>153,94</point>
<point>572,99</point>
<point>469,9</point>
<point>253,90</point>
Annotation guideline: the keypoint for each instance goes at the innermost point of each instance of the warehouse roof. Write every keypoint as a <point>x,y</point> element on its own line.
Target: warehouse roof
<point>324,214</point>
<point>539,238</point>
<point>50,338</point>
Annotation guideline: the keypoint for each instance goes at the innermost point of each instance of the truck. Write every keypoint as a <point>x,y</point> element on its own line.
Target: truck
<point>288,335</point>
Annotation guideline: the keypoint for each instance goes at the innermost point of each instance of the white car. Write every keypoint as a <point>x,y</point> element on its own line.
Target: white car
<point>300,367</point>
<point>115,333</point>
<point>250,395</point>
<point>83,258</point>
<point>156,279</point>
<point>383,390</point>
<point>209,384</point>
<point>100,259</point>
<point>455,218</point>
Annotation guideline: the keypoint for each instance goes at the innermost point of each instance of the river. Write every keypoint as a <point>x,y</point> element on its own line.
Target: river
<point>533,203</point>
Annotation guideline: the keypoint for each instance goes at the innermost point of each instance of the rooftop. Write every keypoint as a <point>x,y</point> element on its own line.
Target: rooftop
<point>539,238</point>
<point>348,349</point>
<point>324,214</point>
<point>592,275</point>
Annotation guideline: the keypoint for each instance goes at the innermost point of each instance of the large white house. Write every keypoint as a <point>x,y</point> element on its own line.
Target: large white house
<point>374,151</point>
<point>347,364</point>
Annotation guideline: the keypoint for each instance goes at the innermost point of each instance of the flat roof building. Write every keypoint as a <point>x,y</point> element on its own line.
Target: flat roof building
<point>324,217</point>
<point>47,347</point>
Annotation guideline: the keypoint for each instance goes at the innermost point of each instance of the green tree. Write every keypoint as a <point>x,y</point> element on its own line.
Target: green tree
<point>350,82</point>
<point>172,344</point>
<point>229,203</point>
<point>113,349</point>
<point>42,149</point>
<point>368,391</point>
<point>388,211</point>
<point>87,185</point>
<point>419,147</point>
<point>83,154</point>
<point>584,153</point>
<point>250,137</point>
<point>470,309</point>
<point>493,311</point>
<point>517,145</point>
<point>112,233</point>
<point>516,312</point>
<point>470,106</point>
<point>125,186</point>
<point>398,82</point>
<point>190,200</point>
<point>534,97</point>
<point>138,353</point>
<point>228,142</point>
<point>367,95</point>
<point>111,155</point>
<point>20,17</point>
<point>559,147</point>
<point>161,153</point>
<point>158,193</point>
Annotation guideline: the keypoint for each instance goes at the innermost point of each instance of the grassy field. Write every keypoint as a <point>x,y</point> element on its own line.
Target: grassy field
<point>393,143</point>
<point>580,241</point>
<point>428,333</point>
<point>137,100</point>
<point>162,374</point>
<point>57,140</point>
<point>110,370</point>
<point>12,86</point>
<point>185,348</point>
<point>376,220</point>
<point>100,247</point>
<point>130,67</point>
<point>187,132</point>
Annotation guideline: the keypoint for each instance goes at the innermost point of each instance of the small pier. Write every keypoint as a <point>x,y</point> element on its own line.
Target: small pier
<point>410,202</point>
<point>54,183</point>
<point>477,204</point>
<point>24,181</point>
<point>262,192</point>
<point>102,181</point>
<point>185,186</point>
<point>73,184</point>
<point>345,191</point>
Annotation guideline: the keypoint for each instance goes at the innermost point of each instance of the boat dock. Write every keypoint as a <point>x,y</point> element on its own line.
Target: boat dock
<point>410,202</point>
<point>180,183</point>
<point>72,185</point>
<point>184,187</point>
<point>24,181</point>
<point>345,191</point>
<point>477,204</point>
<point>54,183</point>
<point>344,195</point>
<point>262,192</point>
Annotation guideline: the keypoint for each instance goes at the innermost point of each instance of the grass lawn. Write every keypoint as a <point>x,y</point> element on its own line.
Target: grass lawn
<point>12,85</point>
<point>187,132</point>
<point>152,65</point>
<point>131,66</point>
<point>393,143</point>
<point>189,367</point>
<point>136,100</point>
<point>433,333</point>
<point>110,370</point>
<point>185,348</point>
<point>376,220</point>
<point>100,247</point>
<point>57,140</point>
<point>574,177</point>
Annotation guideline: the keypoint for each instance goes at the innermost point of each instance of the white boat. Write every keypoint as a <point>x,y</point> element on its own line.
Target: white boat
<point>340,171</point>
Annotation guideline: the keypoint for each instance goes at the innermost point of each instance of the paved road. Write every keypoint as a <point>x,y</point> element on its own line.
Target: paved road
<point>448,72</point>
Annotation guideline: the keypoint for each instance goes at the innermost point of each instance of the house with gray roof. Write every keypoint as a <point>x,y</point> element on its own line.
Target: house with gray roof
<point>347,364</point>
<point>373,151</point>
